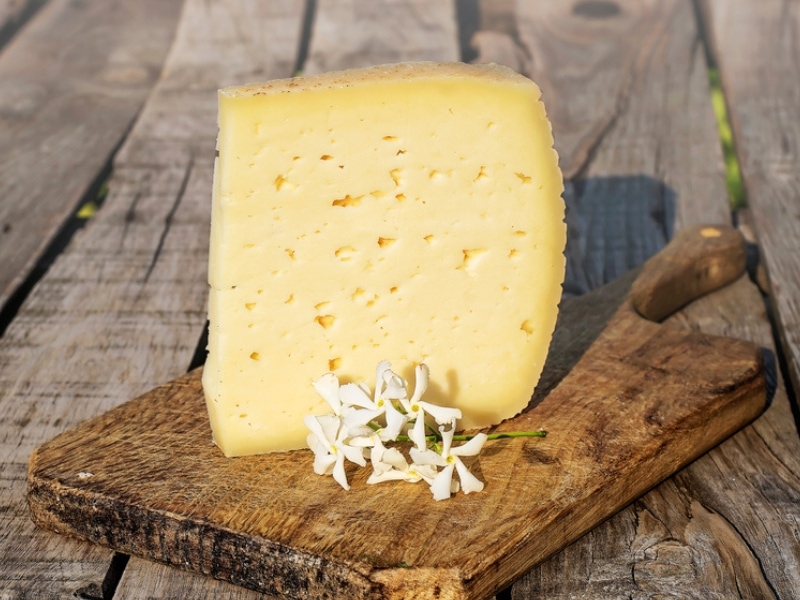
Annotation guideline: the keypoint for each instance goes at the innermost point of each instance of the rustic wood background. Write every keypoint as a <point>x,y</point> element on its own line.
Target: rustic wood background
<point>94,313</point>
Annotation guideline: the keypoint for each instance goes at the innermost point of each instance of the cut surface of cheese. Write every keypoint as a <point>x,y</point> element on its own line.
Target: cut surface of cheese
<point>409,213</point>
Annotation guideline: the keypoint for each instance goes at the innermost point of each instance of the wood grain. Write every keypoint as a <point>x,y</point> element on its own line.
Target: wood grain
<point>761,86</point>
<point>626,87</point>
<point>352,33</point>
<point>642,402</point>
<point>708,532</point>
<point>73,81</point>
<point>123,307</point>
<point>13,13</point>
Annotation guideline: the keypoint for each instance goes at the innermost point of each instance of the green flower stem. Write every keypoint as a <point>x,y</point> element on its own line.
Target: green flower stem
<point>508,434</point>
<point>491,436</point>
<point>436,437</point>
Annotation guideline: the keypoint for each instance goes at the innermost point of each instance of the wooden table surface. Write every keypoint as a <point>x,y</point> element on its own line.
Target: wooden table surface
<point>112,105</point>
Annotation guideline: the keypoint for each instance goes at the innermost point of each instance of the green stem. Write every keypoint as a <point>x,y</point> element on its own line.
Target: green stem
<point>490,436</point>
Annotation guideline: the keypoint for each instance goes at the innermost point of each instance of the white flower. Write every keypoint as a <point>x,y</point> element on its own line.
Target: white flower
<point>327,440</point>
<point>418,408</point>
<point>450,458</point>
<point>363,419</point>
<point>371,441</point>
<point>327,386</point>
<point>394,467</point>
<point>388,387</point>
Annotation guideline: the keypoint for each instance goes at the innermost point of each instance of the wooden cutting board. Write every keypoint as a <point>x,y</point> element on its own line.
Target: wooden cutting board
<point>644,400</point>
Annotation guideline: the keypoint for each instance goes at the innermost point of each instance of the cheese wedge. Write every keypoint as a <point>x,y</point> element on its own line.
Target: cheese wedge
<point>409,212</point>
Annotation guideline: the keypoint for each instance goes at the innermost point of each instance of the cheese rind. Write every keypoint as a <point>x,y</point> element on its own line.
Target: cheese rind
<point>411,213</point>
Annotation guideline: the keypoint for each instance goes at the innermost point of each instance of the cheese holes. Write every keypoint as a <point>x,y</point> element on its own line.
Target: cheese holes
<point>389,138</point>
<point>386,242</point>
<point>525,179</point>
<point>249,305</point>
<point>326,157</point>
<point>527,327</point>
<point>345,253</point>
<point>400,197</point>
<point>334,363</point>
<point>348,201</point>
<point>255,356</point>
<point>397,176</point>
<point>471,257</point>
<point>281,183</point>
<point>326,321</point>
<point>482,174</point>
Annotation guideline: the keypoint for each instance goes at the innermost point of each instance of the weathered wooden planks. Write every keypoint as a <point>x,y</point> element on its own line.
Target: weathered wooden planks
<point>13,14</point>
<point>123,307</point>
<point>353,33</point>
<point>762,86</point>
<point>721,526</point>
<point>73,81</point>
<point>626,87</point>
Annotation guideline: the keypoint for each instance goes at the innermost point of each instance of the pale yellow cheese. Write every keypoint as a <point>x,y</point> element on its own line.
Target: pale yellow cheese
<point>411,213</point>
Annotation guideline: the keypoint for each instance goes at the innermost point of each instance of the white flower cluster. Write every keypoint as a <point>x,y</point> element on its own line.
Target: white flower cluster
<point>363,421</point>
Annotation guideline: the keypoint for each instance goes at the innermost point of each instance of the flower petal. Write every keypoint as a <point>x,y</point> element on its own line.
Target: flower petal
<point>395,421</point>
<point>441,485</point>
<point>353,395</point>
<point>323,428</point>
<point>447,438</point>
<point>327,386</point>
<point>356,419</point>
<point>394,386</point>
<point>394,458</point>
<point>392,475</point>
<point>323,463</point>
<point>353,454</point>
<point>442,414</point>
<point>470,448</point>
<point>421,378</point>
<point>382,367</point>
<point>426,472</point>
<point>339,473</point>
<point>469,483</point>
<point>427,457</point>
<point>417,433</point>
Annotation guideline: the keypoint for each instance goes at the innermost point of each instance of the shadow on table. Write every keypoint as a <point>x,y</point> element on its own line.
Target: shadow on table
<point>614,225</point>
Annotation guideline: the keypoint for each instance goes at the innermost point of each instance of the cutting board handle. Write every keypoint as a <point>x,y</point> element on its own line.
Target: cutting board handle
<point>697,261</point>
